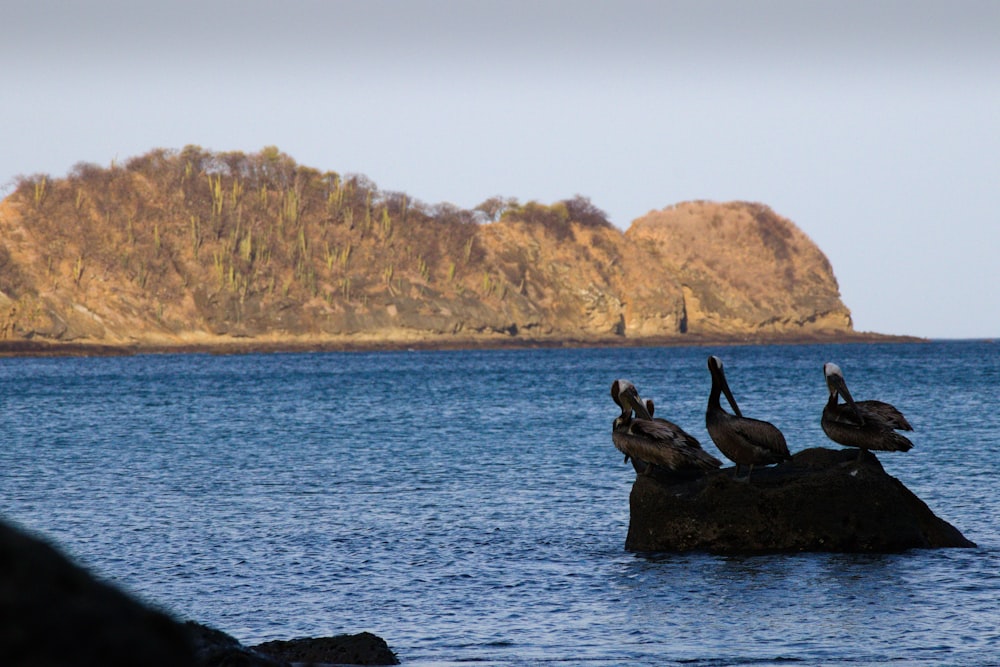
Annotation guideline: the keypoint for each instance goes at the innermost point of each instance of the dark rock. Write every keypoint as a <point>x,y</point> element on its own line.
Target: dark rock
<point>360,649</point>
<point>820,500</point>
<point>214,648</point>
<point>54,613</point>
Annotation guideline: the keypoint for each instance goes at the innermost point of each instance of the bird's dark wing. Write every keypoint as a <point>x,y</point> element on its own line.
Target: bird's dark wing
<point>663,444</point>
<point>761,434</point>
<point>661,429</point>
<point>884,413</point>
<point>843,414</point>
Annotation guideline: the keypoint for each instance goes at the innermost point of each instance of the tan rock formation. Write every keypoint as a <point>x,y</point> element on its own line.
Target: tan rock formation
<point>743,268</point>
<point>193,248</point>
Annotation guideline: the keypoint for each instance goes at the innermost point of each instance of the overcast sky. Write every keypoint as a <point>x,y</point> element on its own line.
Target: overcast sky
<point>874,126</point>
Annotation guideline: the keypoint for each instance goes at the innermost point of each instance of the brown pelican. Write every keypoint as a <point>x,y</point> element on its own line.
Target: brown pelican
<point>617,387</point>
<point>654,441</point>
<point>862,424</point>
<point>742,440</point>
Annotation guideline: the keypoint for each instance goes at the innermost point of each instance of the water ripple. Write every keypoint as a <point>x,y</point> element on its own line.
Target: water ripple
<point>444,503</point>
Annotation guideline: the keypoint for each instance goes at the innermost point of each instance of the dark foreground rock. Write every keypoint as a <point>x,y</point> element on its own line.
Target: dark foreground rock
<point>214,648</point>
<point>360,649</point>
<point>54,613</point>
<point>821,500</point>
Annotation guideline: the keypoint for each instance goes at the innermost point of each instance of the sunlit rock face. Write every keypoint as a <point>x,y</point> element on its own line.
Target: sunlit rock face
<point>157,254</point>
<point>821,500</point>
<point>743,269</point>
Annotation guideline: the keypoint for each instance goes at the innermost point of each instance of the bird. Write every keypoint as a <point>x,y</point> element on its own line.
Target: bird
<point>617,387</point>
<point>863,424</point>
<point>742,440</point>
<point>654,441</point>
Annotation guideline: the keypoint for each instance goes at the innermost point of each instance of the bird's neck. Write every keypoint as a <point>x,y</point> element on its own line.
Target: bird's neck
<point>715,396</point>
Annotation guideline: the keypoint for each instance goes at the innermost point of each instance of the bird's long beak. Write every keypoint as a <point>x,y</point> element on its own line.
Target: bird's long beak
<point>840,386</point>
<point>632,397</point>
<point>729,393</point>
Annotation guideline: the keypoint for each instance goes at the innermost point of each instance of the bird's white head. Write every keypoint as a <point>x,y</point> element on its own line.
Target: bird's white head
<point>619,386</point>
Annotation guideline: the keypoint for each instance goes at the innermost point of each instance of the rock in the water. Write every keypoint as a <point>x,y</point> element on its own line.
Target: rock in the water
<point>360,649</point>
<point>214,648</point>
<point>53,612</point>
<point>821,500</point>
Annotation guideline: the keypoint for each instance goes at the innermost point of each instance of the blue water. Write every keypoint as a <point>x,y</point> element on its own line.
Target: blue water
<point>470,507</point>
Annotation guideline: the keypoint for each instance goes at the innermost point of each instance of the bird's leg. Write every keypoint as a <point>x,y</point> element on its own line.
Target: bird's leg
<point>749,473</point>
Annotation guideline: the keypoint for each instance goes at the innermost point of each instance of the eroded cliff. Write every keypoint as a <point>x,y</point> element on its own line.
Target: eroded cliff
<point>743,268</point>
<point>197,248</point>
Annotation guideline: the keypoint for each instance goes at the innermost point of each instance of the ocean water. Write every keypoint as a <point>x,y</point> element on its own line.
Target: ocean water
<point>469,507</point>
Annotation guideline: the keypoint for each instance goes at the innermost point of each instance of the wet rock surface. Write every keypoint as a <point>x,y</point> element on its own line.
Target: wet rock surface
<point>820,500</point>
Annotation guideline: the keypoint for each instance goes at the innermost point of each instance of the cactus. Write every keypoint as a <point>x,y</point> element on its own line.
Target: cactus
<point>215,189</point>
<point>40,190</point>
<point>195,235</point>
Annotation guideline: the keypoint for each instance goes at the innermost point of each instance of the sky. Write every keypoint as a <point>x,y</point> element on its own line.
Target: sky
<point>874,126</point>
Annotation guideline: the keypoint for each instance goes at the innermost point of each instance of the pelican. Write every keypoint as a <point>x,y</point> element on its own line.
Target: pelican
<point>863,424</point>
<point>742,440</point>
<point>617,387</point>
<point>654,441</point>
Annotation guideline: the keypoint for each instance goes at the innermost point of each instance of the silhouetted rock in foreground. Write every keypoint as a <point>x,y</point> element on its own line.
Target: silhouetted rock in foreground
<point>360,649</point>
<point>217,649</point>
<point>54,613</point>
<point>214,648</point>
<point>821,500</point>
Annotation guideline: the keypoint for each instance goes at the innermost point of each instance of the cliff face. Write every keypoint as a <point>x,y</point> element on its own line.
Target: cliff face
<point>201,248</point>
<point>743,268</point>
<point>591,283</point>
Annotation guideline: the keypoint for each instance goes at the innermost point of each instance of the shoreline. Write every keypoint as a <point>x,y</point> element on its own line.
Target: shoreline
<point>225,346</point>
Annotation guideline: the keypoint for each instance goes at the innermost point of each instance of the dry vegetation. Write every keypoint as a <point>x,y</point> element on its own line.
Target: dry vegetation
<point>258,224</point>
<point>175,244</point>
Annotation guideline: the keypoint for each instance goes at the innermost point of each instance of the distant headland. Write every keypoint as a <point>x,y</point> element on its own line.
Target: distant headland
<point>191,250</point>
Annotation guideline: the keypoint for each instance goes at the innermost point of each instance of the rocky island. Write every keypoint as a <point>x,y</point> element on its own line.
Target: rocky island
<point>191,249</point>
<point>820,500</point>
